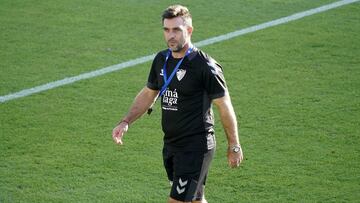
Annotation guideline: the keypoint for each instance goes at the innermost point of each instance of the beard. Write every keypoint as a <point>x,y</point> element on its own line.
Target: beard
<point>178,47</point>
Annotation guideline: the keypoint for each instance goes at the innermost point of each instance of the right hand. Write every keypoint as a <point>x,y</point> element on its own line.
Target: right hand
<point>119,131</point>
<point>234,159</point>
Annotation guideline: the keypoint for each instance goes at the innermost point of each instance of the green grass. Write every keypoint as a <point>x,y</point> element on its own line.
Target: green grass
<point>65,38</point>
<point>295,88</point>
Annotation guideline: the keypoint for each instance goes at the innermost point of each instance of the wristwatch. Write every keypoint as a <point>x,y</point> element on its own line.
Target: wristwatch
<point>236,148</point>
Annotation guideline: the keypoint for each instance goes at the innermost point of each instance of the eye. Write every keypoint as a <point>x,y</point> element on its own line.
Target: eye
<point>177,29</point>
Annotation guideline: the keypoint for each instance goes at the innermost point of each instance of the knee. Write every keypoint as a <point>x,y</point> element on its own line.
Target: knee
<point>200,201</point>
<point>171,200</point>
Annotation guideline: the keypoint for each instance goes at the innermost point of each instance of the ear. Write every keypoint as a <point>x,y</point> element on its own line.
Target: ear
<point>190,30</point>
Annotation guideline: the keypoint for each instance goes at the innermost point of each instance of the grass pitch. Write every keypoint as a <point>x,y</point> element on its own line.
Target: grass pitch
<point>295,88</point>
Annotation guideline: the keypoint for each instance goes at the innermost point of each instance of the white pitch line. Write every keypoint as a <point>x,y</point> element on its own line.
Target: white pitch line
<point>144,59</point>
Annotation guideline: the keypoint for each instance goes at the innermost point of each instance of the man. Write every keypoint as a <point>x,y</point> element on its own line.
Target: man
<point>187,81</point>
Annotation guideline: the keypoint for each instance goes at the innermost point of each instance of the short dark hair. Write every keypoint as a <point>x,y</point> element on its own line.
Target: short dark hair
<point>177,11</point>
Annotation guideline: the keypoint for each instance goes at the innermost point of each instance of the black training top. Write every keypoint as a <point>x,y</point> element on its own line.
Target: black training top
<point>187,118</point>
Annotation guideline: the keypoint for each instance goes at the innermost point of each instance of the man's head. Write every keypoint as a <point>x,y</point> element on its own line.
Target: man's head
<point>177,11</point>
<point>177,25</point>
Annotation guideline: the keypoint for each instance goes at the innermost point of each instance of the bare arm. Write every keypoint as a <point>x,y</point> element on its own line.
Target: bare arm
<point>141,104</point>
<point>229,122</point>
<point>143,101</point>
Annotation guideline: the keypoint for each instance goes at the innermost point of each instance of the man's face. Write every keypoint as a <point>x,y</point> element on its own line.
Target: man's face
<point>176,33</point>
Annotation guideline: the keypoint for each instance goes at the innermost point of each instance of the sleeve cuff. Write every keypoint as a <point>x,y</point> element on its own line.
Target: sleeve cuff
<point>218,95</point>
<point>152,86</point>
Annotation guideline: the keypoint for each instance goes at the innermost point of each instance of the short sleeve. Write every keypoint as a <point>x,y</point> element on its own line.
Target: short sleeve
<point>153,82</point>
<point>214,80</point>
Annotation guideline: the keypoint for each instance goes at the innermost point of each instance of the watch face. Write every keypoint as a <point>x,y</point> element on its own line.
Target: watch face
<point>236,149</point>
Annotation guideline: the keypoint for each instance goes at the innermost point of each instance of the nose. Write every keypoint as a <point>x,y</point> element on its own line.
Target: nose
<point>171,35</point>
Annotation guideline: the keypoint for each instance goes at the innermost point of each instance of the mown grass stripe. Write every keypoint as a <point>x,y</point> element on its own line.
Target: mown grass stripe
<point>144,59</point>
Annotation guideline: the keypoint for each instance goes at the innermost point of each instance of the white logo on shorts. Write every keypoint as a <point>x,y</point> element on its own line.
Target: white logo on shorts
<point>182,188</point>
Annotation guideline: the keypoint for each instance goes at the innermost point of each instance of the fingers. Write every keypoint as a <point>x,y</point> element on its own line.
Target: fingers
<point>234,163</point>
<point>117,135</point>
<point>118,140</point>
<point>234,159</point>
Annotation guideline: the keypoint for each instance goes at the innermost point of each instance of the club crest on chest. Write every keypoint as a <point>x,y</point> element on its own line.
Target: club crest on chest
<point>180,74</point>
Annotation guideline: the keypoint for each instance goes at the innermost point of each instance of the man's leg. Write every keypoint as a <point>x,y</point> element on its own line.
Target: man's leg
<point>189,176</point>
<point>171,200</point>
<point>201,201</point>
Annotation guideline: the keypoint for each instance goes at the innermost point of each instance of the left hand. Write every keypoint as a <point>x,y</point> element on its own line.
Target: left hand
<point>234,159</point>
<point>119,131</point>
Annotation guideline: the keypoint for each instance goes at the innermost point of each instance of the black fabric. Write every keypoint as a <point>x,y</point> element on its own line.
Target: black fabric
<point>187,171</point>
<point>187,119</point>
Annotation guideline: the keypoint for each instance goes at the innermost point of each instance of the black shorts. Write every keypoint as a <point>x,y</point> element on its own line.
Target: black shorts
<point>187,172</point>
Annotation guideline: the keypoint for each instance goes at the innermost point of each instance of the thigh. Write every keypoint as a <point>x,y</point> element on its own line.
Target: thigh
<point>189,174</point>
<point>168,161</point>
